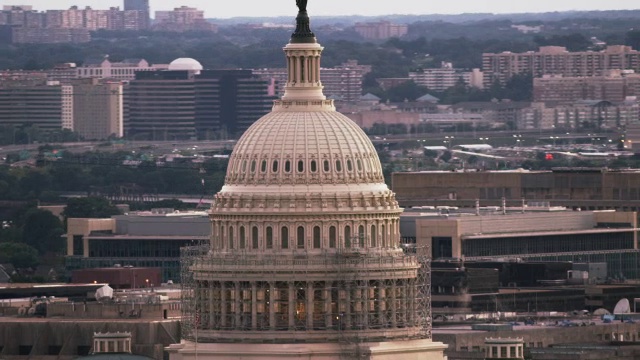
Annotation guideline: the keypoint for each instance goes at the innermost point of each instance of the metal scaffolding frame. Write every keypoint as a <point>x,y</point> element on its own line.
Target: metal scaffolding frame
<point>328,298</point>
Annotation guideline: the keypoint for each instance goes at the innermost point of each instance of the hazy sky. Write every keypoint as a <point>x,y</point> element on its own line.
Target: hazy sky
<point>224,9</point>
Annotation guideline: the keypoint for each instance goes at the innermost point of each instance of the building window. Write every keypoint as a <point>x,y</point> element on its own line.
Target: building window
<point>300,166</point>
<point>253,166</point>
<point>274,168</point>
<point>332,237</point>
<point>243,240</point>
<point>338,166</point>
<point>373,236</point>
<point>231,237</point>
<point>349,165</point>
<point>269,237</point>
<point>326,165</point>
<point>254,237</point>
<point>287,166</point>
<point>314,166</point>
<point>347,236</point>
<point>284,237</point>
<point>316,237</point>
<point>384,236</point>
<point>361,236</point>
<point>244,166</point>
<point>359,165</point>
<point>263,166</point>
<point>300,238</point>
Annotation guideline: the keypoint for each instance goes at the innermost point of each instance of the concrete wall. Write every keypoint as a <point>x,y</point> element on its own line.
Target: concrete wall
<point>113,311</point>
<point>133,225</point>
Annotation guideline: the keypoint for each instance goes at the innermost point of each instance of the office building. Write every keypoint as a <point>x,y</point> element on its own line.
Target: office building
<point>579,188</point>
<point>188,102</point>
<point>556,60</point>
<point>103,68</point>
<point>182,19</point>
<point>97,108</point>
<point>140,10</point>
<point>32,104</point>
<point>304,258</point>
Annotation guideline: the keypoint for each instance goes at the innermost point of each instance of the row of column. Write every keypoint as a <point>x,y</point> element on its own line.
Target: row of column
<point>324,305</point>
<point>304,69</point>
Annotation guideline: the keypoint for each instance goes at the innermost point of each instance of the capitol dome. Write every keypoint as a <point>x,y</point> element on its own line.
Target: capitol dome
<point>305,256</point>
<point>185,64</point>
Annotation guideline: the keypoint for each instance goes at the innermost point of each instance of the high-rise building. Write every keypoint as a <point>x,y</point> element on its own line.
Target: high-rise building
<point>26,104</point>
<point>305,258</point>
<point>97,108</point>
<point>139,9</point>
<point>614,86</point>
<point>183,18</point>
<point>444,77</point>
<point>188,102</point>
<point>556,60</point>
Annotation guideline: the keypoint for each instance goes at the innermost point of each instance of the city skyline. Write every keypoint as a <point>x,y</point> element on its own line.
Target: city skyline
<point>357,7</point>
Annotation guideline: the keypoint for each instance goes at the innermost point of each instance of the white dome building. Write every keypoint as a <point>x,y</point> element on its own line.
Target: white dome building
<point>305,258</point>
<point>186,64</point>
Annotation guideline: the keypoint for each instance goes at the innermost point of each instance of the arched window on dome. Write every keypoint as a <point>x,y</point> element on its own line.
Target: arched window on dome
<point>316,237</point>
<point>231,240</point>
<point>384,235</point>
<point>347,236</point>
<point>300,237</point>
<point>263,166</point>
<point>373,236</point>
<point>361,236</point>
<point>349,165</point>
<point>326,166</point>
<point>254,237</point>
<point>300,166</point>
<point>287,166</point>
<point>338,166</point>
<point>269,237</point>
<point>314,166</point>
<point>274,167</point>
<point>359,162</point>
<point>243,239</point>
<point>222,234</point>
<point>284,237</point>
<point>253,166</point>
<point>332,237</point>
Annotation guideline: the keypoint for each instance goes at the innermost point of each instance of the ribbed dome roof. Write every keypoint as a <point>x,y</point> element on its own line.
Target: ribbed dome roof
<point>304,147</point>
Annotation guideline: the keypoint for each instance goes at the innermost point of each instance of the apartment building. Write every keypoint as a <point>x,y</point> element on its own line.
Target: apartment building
<point>557,60</point>
<point>614,86</point>
<point>97,108</point>
<point>446,76</point>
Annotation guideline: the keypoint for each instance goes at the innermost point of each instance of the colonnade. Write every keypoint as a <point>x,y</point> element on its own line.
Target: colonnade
<point>306,305</point>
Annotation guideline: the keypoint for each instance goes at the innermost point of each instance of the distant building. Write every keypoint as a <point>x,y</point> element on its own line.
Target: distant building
<point>445,77</point>
<point>181,19</point>
<point>188,102</point>
<point>381,30</point>
<point>142,9</point>
<point>105,69</point>
<point>49,36</point>
<point>556,60</point>
<point>97,108</point>
<point>614,86</point>
<point>33,103</point>
<point>583,114</point>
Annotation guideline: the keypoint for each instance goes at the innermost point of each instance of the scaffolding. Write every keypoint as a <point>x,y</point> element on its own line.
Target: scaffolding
<point>348,296</point>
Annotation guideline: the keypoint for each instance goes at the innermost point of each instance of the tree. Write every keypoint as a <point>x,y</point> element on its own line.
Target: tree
<point>89,207</point>
<point>20,255</point>
<point>43,231</point>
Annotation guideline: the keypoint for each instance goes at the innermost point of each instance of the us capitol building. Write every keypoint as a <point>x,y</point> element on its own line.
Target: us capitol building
<point>305,258</point>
